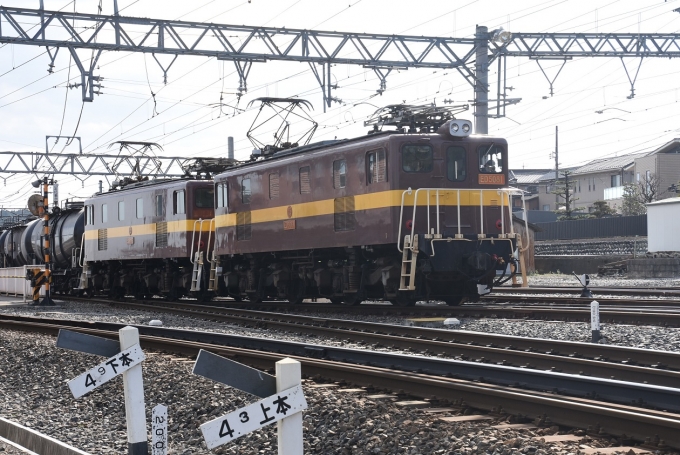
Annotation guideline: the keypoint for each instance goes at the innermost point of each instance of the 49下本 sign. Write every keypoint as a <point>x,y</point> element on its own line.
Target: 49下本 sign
<point>106,371</point>
<point>257,415</point>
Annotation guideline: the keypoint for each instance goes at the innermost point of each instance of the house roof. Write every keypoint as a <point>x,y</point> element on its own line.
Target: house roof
<point>672,146</point>
<point>527,179</point>
<point>609,164</point>
<point>550,175</point>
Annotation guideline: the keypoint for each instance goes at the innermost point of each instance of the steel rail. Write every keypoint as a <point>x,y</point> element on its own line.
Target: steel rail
<point>618,420</point>
<point>572,357</point>
<point>364,331</point>
<point>599,290</point>
<point>622,392</point>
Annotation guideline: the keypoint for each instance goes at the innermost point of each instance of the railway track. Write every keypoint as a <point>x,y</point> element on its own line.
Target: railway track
<point>600,290</point>
<point>621,311</point>
<point>573,411</point>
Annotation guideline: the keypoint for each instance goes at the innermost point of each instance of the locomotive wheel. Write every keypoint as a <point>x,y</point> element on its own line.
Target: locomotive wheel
<point>336,301</point>
<point>172,296</point>
<point>454,300</point>
<point>404,301</point>
<point>353,300</point>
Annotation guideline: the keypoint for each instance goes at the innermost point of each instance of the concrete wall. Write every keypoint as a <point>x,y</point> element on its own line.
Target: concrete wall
<point>576,264</point>
<point>654,268</point>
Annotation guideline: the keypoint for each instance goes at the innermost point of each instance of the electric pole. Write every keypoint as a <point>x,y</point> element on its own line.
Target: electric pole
<point>557,168</point>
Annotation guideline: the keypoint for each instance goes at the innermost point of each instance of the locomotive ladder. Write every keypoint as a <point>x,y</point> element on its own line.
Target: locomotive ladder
<point>408,264</point>
<point>197,272</point>
<point>212,281</point>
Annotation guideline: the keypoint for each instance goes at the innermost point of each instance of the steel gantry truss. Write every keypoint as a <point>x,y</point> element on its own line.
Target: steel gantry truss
<point>245,45</point>
<point>114,165</point>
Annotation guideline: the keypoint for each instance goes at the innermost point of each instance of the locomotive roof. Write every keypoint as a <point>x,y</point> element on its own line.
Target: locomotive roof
<point>339,142</point>
<point>147,184</point>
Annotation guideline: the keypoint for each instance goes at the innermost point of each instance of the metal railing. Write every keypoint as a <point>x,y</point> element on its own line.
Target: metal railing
<point>505,193</point>
<point>211,228</point>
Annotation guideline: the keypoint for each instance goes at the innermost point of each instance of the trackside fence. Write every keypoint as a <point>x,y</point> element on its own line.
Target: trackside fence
<point>619,226</point>
<point>13,281</point>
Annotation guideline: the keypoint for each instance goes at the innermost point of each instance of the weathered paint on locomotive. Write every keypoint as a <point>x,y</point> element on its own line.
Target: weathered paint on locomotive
<point>143,237</point>
<point>295,221</point>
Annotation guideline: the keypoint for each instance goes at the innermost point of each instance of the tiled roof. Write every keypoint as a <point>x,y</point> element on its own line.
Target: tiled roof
<point>528,179</point>
<point>608,164</point>
<point>550,175</point>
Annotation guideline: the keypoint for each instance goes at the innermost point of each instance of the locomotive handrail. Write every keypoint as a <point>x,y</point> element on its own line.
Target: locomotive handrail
<point>211,228</point>
<point>200,221</point>
<point>401,214</point>
<point>193,237</point>
<point>510,191</point>
<point>81,256</point>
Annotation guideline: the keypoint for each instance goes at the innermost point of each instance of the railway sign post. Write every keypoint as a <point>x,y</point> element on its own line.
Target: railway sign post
<point>159,430</point>
<point>595,320</point>
<point>124,358</point>
<point>283,401</point>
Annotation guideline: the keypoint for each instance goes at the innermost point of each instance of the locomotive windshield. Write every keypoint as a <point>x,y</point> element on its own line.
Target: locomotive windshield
<point>455,163</point>
<point>416,158</point>
<point>203,198</point>
<point>490,159</point>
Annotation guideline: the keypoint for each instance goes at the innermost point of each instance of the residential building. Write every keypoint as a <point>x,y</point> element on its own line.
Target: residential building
<point>603,179</point>
<point>528,180</point>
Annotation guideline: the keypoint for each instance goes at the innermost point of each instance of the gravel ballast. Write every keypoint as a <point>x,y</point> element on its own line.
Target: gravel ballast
<point>33,376</point>
<point>34,391</point>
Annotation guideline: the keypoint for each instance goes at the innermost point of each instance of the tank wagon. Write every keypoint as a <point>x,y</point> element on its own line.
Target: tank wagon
<point>392,215</point>
<point>149,238</point>
<point>22,245</point>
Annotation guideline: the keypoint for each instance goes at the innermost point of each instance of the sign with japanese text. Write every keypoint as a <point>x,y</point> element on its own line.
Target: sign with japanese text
<point>106,371</point>
<point>257,415</point>
<point>594,315</point>
<point>159,430</point>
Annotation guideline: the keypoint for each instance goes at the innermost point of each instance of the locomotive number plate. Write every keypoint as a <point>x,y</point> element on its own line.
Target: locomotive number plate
<point>492,179</point>
<point>288,225</point>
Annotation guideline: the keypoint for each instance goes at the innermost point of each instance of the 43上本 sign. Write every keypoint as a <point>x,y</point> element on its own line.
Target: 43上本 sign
<point>257,415</point>
<point>106,371</point>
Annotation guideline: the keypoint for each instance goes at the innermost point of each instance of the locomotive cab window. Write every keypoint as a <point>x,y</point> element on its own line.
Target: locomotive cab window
<point>456,163</point>
<point>416,158</point>
<point>139,208</point>
<point>105,213</point>
<point>490,159</point>
<point>90,214</point>
<point>222,195</point>
<point>339,174</point>
<point>178,202</point>
<point>376,167</point>
<point>159,205</point>
<point>245,191</point>
<point>204,198</point>
<point>121,210</point>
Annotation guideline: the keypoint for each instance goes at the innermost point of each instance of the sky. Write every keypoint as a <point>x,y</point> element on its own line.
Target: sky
<point>194,113</point>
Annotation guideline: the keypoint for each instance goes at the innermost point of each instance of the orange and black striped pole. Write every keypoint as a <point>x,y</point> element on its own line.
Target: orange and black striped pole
<point>47,300</point>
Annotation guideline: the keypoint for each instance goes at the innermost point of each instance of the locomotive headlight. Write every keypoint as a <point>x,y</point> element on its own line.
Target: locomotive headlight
<point>460,128</point>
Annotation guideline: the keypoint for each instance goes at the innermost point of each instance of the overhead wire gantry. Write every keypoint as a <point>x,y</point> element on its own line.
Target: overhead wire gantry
<point>382,53</point>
